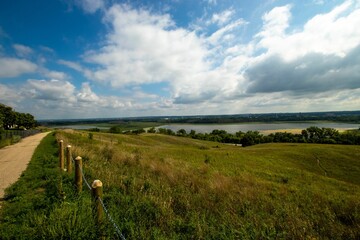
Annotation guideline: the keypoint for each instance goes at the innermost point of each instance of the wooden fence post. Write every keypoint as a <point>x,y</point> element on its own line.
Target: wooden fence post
<point>78,175</point>
<point>68,159</point>
<point>61,155</point>
<point>98,211</point>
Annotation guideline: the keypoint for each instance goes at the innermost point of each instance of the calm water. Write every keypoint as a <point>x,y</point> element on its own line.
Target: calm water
<point>79,127</point>
<point>244,127</point>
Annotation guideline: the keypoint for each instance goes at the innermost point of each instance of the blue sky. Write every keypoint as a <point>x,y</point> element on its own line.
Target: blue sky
<point>109,58</point>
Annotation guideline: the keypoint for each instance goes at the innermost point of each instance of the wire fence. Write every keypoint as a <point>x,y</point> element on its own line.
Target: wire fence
<point>7,134</point>
<point>115,226</point>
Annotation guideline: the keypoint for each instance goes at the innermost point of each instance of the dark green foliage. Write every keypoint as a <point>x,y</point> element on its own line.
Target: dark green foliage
<point>138,131</point>
<point>115,129</point>
<point>11,119</point>
<point>94,130</point>
<point>181,132</point>
<point>91,136</point>
<point>309,135</point>
<point>151,130</point>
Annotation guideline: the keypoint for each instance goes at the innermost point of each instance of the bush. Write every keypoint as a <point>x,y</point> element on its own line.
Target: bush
<point>15,139</point>
<point>115,129</point>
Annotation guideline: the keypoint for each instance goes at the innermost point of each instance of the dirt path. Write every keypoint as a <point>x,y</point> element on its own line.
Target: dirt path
<point>15,158</point>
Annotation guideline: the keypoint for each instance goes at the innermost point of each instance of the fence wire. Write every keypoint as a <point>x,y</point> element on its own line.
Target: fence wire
<point>83,176</point>
<point>116,227</point>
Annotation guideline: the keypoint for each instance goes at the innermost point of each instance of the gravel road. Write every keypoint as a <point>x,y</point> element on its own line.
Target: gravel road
<point>15,158</point>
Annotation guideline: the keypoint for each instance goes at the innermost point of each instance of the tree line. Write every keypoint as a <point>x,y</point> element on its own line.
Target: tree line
<point>10,119</point>
<point>310,135</point>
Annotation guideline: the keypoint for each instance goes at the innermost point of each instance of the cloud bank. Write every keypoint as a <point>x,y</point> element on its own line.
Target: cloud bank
<point>204,69</point>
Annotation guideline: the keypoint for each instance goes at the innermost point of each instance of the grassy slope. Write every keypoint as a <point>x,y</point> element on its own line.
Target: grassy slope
<point>161,186</point>
<point>164,187</point>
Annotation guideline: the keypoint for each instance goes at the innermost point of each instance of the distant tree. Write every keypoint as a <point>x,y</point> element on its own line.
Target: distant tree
<point>94,130</point>
<point>247,140</point>
<point>25,120</point>
<point>181,132</point>
<point>239,134</point>
<point>10,118</point>
<point>251,138</point>
<point>115,129</point>
<point>2,118</point>
<point>305,135</point>
<point>170,132</point>
<point>151,130</point>
<point>138,131</point>
<point>162,130</point>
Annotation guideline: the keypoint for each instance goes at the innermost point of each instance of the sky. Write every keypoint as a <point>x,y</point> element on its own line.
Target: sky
<point>65,59</point>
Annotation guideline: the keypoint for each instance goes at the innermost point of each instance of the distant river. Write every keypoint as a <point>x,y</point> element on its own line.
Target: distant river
<point>79,127</point>
<point>262,127</point>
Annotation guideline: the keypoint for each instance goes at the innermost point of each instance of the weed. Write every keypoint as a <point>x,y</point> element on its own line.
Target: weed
<point>207,159</point>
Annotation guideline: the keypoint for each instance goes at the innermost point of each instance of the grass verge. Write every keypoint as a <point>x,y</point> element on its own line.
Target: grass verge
<point>36,207</point>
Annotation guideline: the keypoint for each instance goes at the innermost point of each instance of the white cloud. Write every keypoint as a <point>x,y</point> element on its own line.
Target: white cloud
<point>333,33</point>
<point>145,48</point>
<point>222,32</point>
<point>71,64</point>
<point>320,58</point>
<point>316,64</point>
<point>212,2</point>
<point>90,6</point>
<point>86,94</point>
<point>9,95</point>
<point>222,17</point>
<point>13,67</point>
<point>47,49</point>
<point>275,23</point>
<point>51,90</point>
<point>55,75</point>
<point>22,50</point>
<point>77,67</point>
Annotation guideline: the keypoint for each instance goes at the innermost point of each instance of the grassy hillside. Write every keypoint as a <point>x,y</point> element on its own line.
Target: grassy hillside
<point>161,186</point>
<point>166,187</point>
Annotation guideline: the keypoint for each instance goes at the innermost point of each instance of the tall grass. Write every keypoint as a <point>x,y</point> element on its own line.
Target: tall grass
<point>165,187</point>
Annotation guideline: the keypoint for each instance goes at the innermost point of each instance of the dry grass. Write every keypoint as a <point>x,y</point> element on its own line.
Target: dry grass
<point>292,131</point>
<point>167,187</point>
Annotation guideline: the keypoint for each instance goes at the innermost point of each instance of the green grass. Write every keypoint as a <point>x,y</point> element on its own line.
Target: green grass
<point>35,207</point>
<point>166,187</point>
<point>6,142</point>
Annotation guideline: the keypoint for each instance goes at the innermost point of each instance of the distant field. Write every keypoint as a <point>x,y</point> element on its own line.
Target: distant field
<point>295,130</point>
<point>174,188</point>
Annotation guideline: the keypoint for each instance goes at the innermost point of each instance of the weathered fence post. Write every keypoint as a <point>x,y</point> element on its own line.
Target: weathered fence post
<point>97,193</point>
<point>78,175</point>
<point>68,159</point>
<point>61,155</point>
